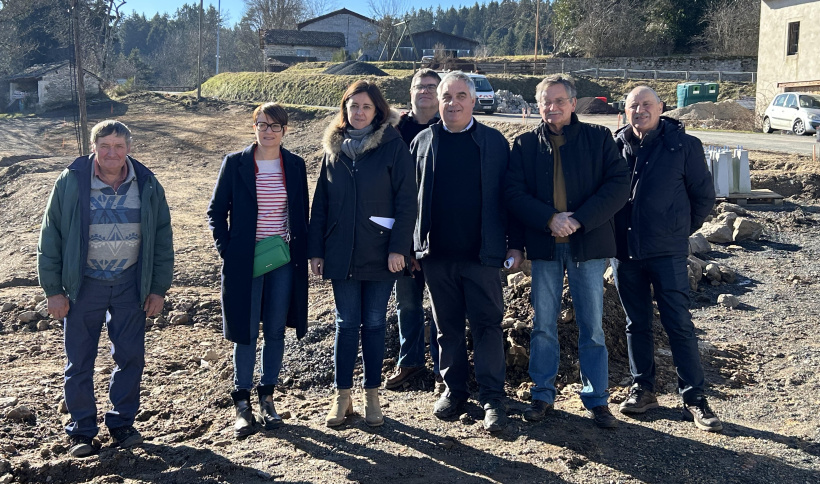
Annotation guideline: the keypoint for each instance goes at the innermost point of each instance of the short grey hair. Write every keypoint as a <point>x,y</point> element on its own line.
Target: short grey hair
<point>566,81</point>
<point>109,127</point>
<point>640,89</point>
<point>454,76</point>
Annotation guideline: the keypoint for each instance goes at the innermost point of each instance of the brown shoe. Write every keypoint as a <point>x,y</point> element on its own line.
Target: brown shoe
<point>401,375</point>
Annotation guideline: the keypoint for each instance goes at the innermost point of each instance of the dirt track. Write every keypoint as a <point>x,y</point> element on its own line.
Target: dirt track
<point>760,359</point>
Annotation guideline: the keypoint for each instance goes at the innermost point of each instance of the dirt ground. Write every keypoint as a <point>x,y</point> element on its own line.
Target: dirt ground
<point>761,358</point>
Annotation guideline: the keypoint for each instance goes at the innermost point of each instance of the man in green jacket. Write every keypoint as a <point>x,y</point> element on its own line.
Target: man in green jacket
<point>105,254</point>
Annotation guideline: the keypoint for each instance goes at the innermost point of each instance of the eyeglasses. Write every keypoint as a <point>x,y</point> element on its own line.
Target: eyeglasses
<point>262,126</point>
<point>558,102</point>
<point>425,87</point>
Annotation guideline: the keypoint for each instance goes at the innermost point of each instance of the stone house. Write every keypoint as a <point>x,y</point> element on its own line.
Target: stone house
<point>44,85</point>
<point>286,47</point>
<point>787,58</point>
<point>361,33</point>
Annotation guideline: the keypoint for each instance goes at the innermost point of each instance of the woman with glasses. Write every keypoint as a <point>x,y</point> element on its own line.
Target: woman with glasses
<point>361,230</point>
<point>261,194</point>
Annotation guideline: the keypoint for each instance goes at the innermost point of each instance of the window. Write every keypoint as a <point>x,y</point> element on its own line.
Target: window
<point>780,100</point>
<point>794,37</point>
<point>791,101</point>
<point>303,52</point>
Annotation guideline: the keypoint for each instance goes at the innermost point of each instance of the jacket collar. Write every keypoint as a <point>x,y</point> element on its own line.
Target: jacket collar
<point>84,164</point>
<point>333,137</point>
<point>669,131</point>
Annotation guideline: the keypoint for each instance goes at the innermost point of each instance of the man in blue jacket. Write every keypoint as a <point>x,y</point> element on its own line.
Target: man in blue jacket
<point>565,183</point>
<point>105,253</point>
<point>671,195</point>
<point>461,239</point>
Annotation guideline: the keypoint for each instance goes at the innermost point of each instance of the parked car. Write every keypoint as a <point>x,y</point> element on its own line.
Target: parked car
<point>793,111</point>
<point>485,101</point>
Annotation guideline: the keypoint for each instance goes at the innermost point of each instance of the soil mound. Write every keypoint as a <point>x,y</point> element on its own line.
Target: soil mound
<point>593,105</point>
<point>724,115</point>
<point>354,68</point>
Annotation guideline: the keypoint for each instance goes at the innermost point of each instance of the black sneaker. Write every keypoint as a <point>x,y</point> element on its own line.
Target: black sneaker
<point>638,401</point>
<point>81,446</point>
<point>603,417</point>
<point>537,411</point>
<point>125,437</point>
<point>700,413</point>
<point>495,417</point>
<point>448,408</point>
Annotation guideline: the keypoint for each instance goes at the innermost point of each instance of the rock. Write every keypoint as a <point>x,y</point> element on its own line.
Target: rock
<point>728,300</point>
<point>515,279</point>
<point>694,278</point>
<point>8,306</point>
<point>566,316</point>
<point>20,413</point>
<point>609,275</point>
<point>211,355</point>
<point>716,232</point>
<point>43,325</point>
<point>712,272</point>
<point>524,391</point>
<point>698,244</point>
<point>179,317</point>
<point>727,218</point>
<point>44,313</point>
<point>6,479</point>
<point>508,323</point>
<point>204,365</point>
<point>733,247</point>
<point>63,408</point>
<point>27,316</point>
<point>222,443</point>
<point>8,402</point>
<point>696,264</point>
<point>39,297</point>
<point>520,326</point>
<point>285,414</point>
<point>517,356</point>
<point>746,229</point>
<point>731,207</point>
<point>5,466</point>
<point>727,274</point>
<point>466,419</point>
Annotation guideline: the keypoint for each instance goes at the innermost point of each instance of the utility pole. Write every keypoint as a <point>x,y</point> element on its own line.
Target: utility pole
<point>535,58</point>
<point>78,64</point>
<point>199,58</point>
<point>218,28</point>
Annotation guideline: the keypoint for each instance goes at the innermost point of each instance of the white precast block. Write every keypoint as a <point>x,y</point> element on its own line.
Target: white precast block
<point>722,173</point>
<point>744,178</point>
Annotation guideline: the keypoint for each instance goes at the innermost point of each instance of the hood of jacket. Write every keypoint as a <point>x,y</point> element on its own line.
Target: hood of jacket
<point>333,137</point>
<point>669,134</point>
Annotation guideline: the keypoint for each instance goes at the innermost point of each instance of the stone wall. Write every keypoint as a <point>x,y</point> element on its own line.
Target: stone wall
<point>321,54</point>
<point>55,87</point>
<point>671,63</point>
<point>359,34</point>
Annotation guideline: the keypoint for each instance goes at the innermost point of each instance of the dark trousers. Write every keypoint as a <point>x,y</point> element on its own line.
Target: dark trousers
<point>466,287</point>
<point>669,278</point>
<point>98,301</point>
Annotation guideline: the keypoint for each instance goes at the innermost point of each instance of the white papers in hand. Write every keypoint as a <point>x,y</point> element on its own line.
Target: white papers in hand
<point>385,222</point>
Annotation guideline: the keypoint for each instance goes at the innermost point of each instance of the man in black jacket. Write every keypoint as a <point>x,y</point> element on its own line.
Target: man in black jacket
<point>565,183</point>
<point>671,195</point>
<point>461,241</point>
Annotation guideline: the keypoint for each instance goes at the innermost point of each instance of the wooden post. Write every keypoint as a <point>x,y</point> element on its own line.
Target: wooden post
<point>535,57</point>
<point>78,64</point>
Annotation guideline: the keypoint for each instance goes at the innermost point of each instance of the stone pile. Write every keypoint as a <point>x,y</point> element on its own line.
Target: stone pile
<point>513,103</point>
<point>733,223</point>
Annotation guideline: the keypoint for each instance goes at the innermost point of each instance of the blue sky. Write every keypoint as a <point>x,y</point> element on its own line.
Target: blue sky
<point>236,7</point>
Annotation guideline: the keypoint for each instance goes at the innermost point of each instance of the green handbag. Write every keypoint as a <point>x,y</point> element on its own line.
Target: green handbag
<point>270,253</point>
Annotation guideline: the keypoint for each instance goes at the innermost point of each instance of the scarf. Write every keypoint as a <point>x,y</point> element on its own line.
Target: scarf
<point>352,144</point>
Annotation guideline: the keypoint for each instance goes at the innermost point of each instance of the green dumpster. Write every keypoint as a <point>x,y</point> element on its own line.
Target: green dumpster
<point>695,92</point>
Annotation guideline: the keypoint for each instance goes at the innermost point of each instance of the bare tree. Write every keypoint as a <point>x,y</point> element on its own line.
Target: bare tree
<point>273,14</point>
<point>732,27</point>
<point>394,9</point>
<point>315,8</point>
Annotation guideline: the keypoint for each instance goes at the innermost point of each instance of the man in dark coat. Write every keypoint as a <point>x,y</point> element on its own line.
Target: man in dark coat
<point>671,195</point>
<point>565,183</point>
<point>410,290</point>
<point>461,241</point>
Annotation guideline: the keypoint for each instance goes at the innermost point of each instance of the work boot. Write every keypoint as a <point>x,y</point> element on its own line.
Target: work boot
<point>448,407</point>
<point>341,407</point>
<point>638,401</point>
<point>495,417</point>
<point>700,413</point>
<point>267,410</point>
<point>245,423</point>
<point>82,446</point>
<point>401,375</point>
<point>125,437</point>
<point>372,409</point>
<point>537,410</point>
<point>602,416</point>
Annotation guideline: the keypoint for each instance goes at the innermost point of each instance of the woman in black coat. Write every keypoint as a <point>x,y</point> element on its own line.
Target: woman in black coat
<point>361,230</point>
<point>261,192</point>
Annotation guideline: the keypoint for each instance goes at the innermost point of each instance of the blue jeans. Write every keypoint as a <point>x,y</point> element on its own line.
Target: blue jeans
<point>670,279</point>
<point>270,301</point>
<point>410,311</point>
<point>118,303</point>
<point>361,308</point>
<point>586,285</point>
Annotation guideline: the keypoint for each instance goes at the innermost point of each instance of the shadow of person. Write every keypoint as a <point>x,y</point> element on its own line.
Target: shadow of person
<point>650,455</point>
<point>411,454</point>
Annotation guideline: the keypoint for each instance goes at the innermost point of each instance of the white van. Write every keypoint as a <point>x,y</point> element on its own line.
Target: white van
<point>485,101</point>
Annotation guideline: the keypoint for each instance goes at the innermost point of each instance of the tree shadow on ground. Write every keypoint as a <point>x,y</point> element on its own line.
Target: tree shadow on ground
<point>444,458</point>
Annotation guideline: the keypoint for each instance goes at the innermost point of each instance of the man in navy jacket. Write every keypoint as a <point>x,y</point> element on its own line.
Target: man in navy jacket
<point>671,195</point>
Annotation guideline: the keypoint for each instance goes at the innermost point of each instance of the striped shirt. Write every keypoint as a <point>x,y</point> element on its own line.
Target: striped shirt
<point>271,200</point>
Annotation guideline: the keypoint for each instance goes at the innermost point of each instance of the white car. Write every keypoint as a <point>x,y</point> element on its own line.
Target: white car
<point>793,111</point>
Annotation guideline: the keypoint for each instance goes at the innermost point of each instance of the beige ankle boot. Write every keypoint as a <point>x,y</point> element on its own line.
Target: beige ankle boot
<point>372,410</point>
<point>341,407</point>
